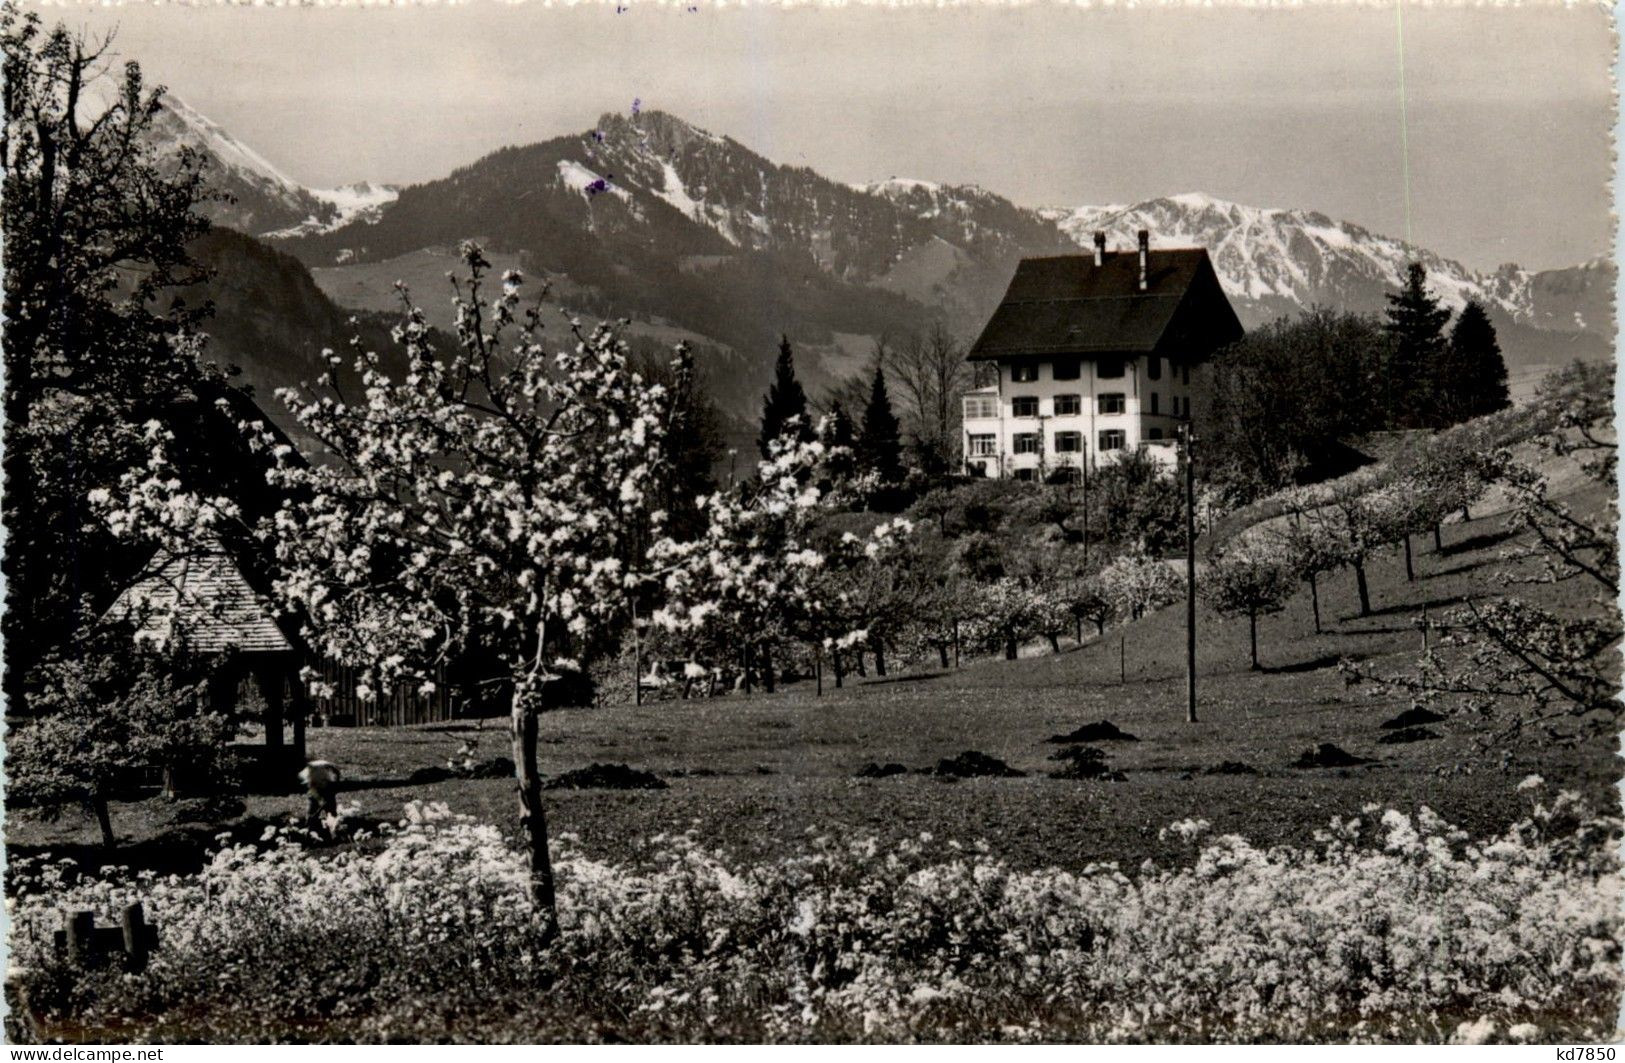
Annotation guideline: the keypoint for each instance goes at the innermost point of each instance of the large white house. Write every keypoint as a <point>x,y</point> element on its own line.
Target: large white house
<point>1095,356</point>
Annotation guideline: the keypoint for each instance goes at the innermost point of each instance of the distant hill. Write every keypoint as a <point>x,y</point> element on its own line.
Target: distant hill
<point>696,237</point>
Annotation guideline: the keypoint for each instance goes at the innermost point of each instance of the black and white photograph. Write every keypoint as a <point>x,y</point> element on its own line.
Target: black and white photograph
<point>699,523</point>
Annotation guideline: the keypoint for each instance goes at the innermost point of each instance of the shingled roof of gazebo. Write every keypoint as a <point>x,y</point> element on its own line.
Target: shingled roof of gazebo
<point>204,600</point>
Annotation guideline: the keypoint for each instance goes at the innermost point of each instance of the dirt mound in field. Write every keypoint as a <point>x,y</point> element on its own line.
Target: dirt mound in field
<point>606,777</point>
<point>1329,756</point>
<point>1084,762</point>
<point>1412,717</point>
<point>1409,734</point>
<point>495,768</point>
<point>207,809</point>
<point>872,770</point>
<point>971,764</point>
<point>1231,767</point>
<point>1099,731</point>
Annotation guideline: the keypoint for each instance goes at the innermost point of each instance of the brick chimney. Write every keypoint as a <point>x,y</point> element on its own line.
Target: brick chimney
<point>1145,253</point>
<point>1100,248</point>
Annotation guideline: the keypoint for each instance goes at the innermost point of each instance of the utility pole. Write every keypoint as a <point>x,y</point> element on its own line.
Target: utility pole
<point>1084,460</point>
<point>1189,434</point>
<point>637,655</point>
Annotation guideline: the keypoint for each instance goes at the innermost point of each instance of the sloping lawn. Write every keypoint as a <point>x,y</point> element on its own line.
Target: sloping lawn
<point>760,775</point>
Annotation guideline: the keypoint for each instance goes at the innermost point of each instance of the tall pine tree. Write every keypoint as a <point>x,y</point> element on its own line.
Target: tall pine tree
<point>1480,373</point>
<point>785,400</point>
<point>880,446</point>
<point>1416,321</point>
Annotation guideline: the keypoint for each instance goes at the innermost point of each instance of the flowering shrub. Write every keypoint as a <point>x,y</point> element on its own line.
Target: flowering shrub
<point>1393,927</point>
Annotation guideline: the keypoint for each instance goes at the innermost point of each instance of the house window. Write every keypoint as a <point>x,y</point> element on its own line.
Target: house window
<point>1109,368</point>
<point>1111,402</point>
<point>1153,367</point>
<point>1068,442</point>
<point>1024,474</point>
<point>1025,442</point>
<point>983,446</point>
<point>1068,405</point>
<point>981,408</point>
<point>1154,398</point>
<point>1024,407</point>
<point>1113,439</point>
<point>1024,373</point>
<point>1153,433</point>
<point>1067,369</point>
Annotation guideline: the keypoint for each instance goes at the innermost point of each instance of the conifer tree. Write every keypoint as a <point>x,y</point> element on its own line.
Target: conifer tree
<point>785,400</point>
<point>880,448</point>
<point>1480,373</point>
<point>1416,321</point>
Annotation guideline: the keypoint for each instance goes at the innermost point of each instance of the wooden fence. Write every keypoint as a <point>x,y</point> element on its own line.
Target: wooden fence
<point>403,706</point>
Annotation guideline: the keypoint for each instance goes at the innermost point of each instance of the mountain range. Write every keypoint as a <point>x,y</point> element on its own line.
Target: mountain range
<point>694,236</point>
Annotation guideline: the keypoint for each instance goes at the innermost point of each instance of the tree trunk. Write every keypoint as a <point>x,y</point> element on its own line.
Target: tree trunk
<point>747,662</point>
<point>956,642</point>
<point>1010,649</point>
<point>879,647</point>
<point>1438,540</point>
<point>840,668</point>
<point>862,671</point>
<point>1410,569</point>
<point>300,710</point>
<point>1100,627</point>
<point>104,819</point>
<point>1054,643</point>
<point>1314,598</point>
<point>1077,630</point>
<point>169,792</point>
<point>1252,633</point>
<point>942,653</point>
<point>1466,514</point>
<point>818,670</point>
<point>769,680</point>
<point>527,703</point>
<point>1360,584</point>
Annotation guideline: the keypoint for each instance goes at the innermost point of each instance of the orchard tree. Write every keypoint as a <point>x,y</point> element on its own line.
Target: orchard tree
<point>96,229</point>
<point>1247,582</point>
<point>1553,667</point>
<point>1361,516</point>
<point>1309,546</point>
<point>497,497</point>
<point>1007,612</point>
<point>785,407</point>
<point>1136,583</point>
<point>764,562</point>
<point>105,712</point>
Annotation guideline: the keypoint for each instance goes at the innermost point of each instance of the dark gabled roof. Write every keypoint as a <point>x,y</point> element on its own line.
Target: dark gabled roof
<point>1069,305</point>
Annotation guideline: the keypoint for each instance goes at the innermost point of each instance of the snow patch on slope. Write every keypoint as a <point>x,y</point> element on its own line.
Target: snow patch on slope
<point>580,179</point>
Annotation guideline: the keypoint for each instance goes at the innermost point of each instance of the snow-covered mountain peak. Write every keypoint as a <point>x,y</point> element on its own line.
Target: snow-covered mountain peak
<point>1284,258</point>
<point>178,125</point>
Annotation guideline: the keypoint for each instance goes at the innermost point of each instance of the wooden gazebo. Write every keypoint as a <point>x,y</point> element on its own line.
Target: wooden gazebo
<point>202,600</point>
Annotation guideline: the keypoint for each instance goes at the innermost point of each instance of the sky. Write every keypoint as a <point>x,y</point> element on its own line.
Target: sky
<point>1507,111</point>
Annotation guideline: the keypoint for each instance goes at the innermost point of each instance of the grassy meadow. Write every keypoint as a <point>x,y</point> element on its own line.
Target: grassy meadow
<point>757,775</point>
